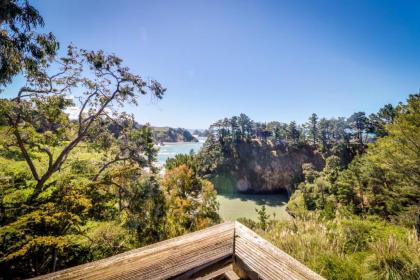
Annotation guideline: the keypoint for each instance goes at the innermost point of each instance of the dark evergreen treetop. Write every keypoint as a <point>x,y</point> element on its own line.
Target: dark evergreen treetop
<point>21,48</point>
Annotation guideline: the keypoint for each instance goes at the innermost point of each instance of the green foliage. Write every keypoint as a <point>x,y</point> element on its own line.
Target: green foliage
<point>106,239</point>
<point>189,160</point>
<point>22,49</point>
<point>145,210</point>
<point>297,206</point>
<point>77,190</point>
<point>292,133</point>
<point>395,259</point>
<point>383,181</point>
<point>211,156</point>
<point>358,122</point>
<point>87,212</point>
<point>313,128</point>
<point>263,217</point>
<point>34,233</point>
<point>377,122</point>
<point>190,201</point>
<point>72,190</point>
<point>348,248</point>
<point>378,189</point>
<point>338,140</point>
<point>309,172</point>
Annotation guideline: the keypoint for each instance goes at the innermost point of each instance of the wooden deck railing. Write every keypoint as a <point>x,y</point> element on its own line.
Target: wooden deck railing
<point>259,259</point>
<point>223,251</point>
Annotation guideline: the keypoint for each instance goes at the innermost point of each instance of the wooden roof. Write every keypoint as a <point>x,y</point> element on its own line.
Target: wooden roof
<point>225,251</point>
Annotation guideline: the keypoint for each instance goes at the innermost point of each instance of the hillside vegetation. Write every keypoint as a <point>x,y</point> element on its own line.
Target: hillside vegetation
<point>354,184</point>
<point>361,220</point>
<point>269,157</point>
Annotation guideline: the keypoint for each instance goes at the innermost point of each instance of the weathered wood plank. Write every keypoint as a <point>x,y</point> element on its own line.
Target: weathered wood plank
<point>259,259</point>
<point>204,269</point>
<point>161,260</point>
<point>218,274</point>
<point>197,254</point>
<point>231,275</point>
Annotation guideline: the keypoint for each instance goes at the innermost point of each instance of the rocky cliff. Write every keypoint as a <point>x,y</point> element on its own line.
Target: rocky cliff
<point>264,168</point>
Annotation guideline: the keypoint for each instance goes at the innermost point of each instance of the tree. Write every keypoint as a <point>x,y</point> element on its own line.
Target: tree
<point>309,172</point>
<point>190,201</point>
<point>339,130</point>
<point>358,122</point>
<point>145,208</point>
<point>383,181</point>
<point>189,160</point>
<point>40,105</point>
<point>313,128</point>
<point>263,217</point>
<point>398,154</point>
<point>211,155</point>
<point>257,127</point>
<point>21,49</point>
<point>325,133</point>
<point>387,113</point>
<point>58,193</point>
<point>265,132</point>
<point>293,134</point>
<point>377,122</point>
<point>244,123</point>
<point>235,134</point>
<point>332,168</point>
<point>278,130</point>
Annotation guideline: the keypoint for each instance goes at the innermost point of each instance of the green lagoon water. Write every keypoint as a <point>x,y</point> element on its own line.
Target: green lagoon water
<point>243,205</point>
<point>232,205</point>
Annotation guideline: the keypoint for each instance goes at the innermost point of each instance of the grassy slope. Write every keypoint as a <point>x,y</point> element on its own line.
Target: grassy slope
<point>347,248</point>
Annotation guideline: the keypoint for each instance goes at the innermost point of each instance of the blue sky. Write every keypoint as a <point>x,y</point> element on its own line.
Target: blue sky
<point>273,60</point>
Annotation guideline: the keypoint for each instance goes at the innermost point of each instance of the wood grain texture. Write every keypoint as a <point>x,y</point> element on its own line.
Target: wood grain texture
<point>161,260</point>
<point>227,250</point>
<point>221,274</point>
<point>259,259</point>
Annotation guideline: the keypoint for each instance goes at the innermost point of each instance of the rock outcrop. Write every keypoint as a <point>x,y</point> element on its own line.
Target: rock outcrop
<point>266,168</point>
